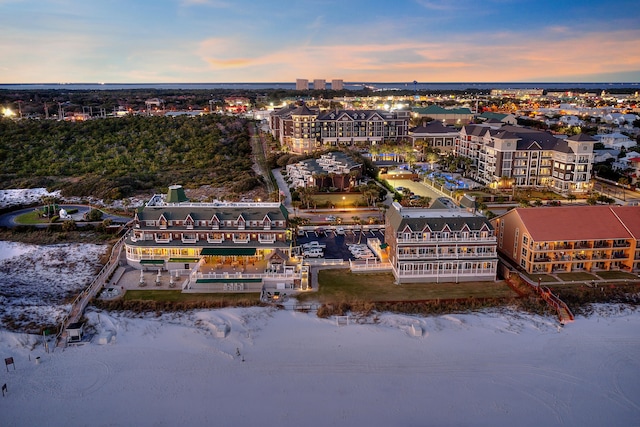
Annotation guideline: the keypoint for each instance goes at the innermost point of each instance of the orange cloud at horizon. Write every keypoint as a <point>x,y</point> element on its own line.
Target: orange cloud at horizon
<point>500,57</point>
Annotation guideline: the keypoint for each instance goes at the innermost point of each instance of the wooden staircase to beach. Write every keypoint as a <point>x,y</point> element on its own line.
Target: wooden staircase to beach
<point>562,310</point>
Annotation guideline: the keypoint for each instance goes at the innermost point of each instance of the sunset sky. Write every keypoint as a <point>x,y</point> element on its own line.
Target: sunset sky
<point>155,41</point>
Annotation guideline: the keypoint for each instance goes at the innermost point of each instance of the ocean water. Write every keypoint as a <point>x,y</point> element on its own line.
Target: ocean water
<point>347,85</point>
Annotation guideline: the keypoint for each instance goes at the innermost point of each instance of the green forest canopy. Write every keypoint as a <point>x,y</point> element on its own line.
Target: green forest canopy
<point>115,157</point>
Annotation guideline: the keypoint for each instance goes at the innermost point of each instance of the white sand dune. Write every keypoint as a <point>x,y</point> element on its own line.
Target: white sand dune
<point>495,368</point>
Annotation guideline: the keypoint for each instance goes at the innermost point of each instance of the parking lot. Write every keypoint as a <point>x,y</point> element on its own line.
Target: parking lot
<point>336,244</point>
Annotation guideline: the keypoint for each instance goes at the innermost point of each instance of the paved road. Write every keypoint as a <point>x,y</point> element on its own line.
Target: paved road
<point>277,174</point>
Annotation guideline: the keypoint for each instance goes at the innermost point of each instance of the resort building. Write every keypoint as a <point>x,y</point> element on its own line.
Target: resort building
<point>439,245</point>
<point>301,129</point>
<point>571,238</point>
<point>335,169</point>
<point>448,116</point>
<point>435,135</point>
<point>362,127</point>
<point>528,157</point>
<point>219,246</point>
<point>508,119</point>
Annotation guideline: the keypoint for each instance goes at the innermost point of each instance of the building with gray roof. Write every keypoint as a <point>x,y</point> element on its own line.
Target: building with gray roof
<point>521,156</point>
<point>439,245</point>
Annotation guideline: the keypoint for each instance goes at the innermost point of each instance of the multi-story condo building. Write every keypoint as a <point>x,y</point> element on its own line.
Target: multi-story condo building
<point>319,84</point>
<point>440,245</point>
<point>571,238</point>
<point>302,84</point>
<point>303,130</point>
<point>219,246</point>
<point>335,169</point>
<point>337,84</point>
<point>528,157</point>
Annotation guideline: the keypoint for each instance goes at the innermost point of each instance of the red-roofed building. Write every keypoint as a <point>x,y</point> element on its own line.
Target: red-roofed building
<point>571,238</point>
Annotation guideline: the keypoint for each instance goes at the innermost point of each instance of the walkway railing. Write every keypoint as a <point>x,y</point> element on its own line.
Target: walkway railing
<point>80,302</point>
<point>564,313</point>
<point>367,265</point>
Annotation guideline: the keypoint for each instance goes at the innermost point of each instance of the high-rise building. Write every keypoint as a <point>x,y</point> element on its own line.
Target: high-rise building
<point>337,84</point>
<point>302,84</point>
<point>319,84</point>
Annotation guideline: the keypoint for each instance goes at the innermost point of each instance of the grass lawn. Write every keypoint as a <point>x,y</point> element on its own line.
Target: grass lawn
<point>616,275</point>
<point>341,285</point>
<point>178,296</point>
<point>30,218</point>
<point>543,278</point>
<point>576,276</point>
<point>350,199</point>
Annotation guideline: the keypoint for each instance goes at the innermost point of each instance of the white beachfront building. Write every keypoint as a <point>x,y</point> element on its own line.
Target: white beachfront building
<point>440,245</point>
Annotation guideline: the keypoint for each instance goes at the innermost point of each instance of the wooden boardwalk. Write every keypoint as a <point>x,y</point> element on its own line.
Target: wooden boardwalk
<point>81,301</point>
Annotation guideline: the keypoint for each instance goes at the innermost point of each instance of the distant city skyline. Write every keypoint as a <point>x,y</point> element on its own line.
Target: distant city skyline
<point>283,40</point>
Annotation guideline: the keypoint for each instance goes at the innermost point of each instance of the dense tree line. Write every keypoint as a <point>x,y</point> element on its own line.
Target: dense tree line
<point>113,158</point>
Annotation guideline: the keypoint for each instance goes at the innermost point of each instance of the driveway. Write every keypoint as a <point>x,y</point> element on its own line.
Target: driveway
<point>282,185</point>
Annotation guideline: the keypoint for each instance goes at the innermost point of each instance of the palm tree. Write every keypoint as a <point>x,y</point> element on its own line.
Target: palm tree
<point>356,219</point>
<point>352,178</point>
<point>370,193</point>
<point>296,205</point>
<point>332,175</point>
<point>383,209</point>
<point>432,158</point>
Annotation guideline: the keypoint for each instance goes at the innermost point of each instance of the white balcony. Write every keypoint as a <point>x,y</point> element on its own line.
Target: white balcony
<point>461,255</point>
<point>188,238</point>
<point>434,240</point>
<point>266,238</point>
<point>241,238</point>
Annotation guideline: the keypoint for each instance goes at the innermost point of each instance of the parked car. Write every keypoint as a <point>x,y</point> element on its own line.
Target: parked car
<point>313,245</point>
<point>313,253</point>
<point>340,231</point>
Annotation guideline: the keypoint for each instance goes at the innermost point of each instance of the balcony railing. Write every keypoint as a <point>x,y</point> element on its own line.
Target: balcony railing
<point>446,273</point>
<point>189,239</point>
<point>266,238</point>
<point>621,244</point>
<point>433,240</point>
<point>461,255</point>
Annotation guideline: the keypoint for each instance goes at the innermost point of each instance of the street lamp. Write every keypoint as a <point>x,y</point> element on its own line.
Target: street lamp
<point>344,205</point>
